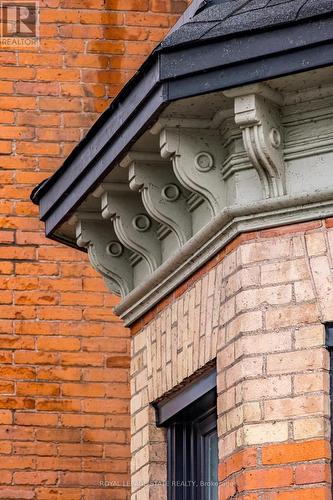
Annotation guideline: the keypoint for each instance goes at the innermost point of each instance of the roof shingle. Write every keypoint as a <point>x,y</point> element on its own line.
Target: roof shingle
<point>222,18</point>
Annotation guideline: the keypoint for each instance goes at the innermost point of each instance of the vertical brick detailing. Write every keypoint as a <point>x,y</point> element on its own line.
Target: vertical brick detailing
<point>149,455</point>
<point>258,310</point>
<point>64,357</point>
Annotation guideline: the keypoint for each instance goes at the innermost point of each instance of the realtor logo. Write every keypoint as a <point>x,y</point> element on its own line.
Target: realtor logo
<point>19,24</point>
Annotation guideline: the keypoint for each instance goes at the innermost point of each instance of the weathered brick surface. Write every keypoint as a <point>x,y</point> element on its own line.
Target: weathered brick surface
<point>257,308</point>
<point>281,473</point>
<point>64,396</point>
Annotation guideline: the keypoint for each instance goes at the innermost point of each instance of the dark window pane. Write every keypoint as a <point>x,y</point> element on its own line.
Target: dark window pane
<point>193,451</point>
<point>211,465</point>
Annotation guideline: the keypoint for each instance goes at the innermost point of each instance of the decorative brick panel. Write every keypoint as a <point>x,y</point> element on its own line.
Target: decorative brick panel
<point>64,356</point>
<point>257,309</point>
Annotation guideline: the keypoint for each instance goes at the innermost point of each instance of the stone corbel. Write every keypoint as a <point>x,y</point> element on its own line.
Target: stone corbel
<point>106,254</point>
<point>133,226</point>
<point>197,157</point>
<point>162,195</point>
<point>257,114</point>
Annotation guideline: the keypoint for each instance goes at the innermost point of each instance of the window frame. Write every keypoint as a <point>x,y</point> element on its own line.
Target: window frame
<point>329,346</point>
<point>190,417</point>
<point>167,409</point>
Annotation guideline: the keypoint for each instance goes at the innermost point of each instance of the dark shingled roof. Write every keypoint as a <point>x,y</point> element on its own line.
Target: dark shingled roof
<point>222,18</point>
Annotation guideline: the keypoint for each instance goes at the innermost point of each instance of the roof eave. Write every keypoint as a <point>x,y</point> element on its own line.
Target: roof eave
<point>172,75</point>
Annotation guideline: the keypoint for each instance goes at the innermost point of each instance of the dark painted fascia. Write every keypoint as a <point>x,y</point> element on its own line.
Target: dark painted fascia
<point>262,69</point>
<point>172,75</point>
<point>221,53</point>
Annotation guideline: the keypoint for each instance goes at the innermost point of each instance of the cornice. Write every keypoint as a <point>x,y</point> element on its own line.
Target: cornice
<point>263,165</point>
<point>216,235</point>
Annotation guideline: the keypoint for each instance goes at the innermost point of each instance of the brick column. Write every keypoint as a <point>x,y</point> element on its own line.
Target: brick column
<point>148,443</point>
<point>273,369</point>
<point>256,310</point>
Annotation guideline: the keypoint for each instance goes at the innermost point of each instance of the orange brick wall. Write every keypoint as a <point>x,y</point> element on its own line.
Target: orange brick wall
<point>288,471</point>
<point>64,423</point>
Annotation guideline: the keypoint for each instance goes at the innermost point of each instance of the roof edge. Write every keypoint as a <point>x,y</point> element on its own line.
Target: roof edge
<point>195,81</point>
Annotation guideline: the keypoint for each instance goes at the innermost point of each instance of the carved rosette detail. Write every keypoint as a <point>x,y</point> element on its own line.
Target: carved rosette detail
<point>115,249</point>
<point>275,138</point>
<point>204,161</point>
<point>141,223</point>
<point>170,192</point>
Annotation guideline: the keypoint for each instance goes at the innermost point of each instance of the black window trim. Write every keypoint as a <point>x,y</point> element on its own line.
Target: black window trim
<point>169,408</point>
<point>190,418</point>
<point>329,346</point>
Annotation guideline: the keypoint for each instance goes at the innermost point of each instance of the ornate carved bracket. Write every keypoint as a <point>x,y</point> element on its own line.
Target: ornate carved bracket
<point>257,114</point>
<point>132,225</point>
<point>107,255</point>
<point>162,195</point>
<point>197,157</point>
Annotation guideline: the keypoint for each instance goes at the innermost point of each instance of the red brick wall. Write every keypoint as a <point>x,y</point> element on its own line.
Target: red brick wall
<point>288,471</point>
<point>64,423</point>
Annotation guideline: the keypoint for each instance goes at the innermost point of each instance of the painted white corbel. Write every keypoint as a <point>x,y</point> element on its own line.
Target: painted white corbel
<point>164,198</point>
<point>106,254</point>
<point>197,157</point>
<point>257,114</point>
<point>133,226</point>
